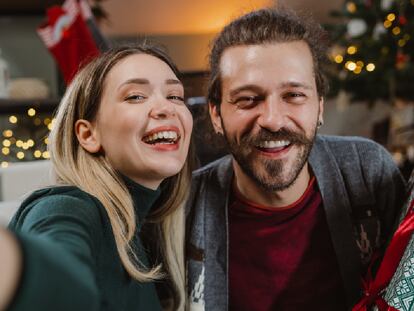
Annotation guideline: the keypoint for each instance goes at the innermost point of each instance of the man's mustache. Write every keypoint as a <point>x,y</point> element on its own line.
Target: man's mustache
<point>282,134</point>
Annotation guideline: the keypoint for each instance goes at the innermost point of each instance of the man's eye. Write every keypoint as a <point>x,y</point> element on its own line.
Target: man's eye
<point>244,102</point>
<point>294,97</point>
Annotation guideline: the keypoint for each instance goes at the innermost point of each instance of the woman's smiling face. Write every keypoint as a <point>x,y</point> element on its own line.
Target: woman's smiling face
<point>143,125</point>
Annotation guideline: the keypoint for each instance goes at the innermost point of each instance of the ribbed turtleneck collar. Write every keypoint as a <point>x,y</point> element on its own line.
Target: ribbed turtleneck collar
<point>142,197</point>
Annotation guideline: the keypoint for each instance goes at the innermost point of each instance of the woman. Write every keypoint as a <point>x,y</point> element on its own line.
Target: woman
<point>118,147</point>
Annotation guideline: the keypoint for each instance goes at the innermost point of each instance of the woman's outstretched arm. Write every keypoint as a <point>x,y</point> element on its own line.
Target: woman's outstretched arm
<point>10,267</point>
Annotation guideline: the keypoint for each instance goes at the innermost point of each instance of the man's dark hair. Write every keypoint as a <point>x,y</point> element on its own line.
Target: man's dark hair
<point>265,26</point>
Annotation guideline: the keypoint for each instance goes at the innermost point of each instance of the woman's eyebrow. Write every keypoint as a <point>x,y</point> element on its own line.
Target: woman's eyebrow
<point>173,81</point>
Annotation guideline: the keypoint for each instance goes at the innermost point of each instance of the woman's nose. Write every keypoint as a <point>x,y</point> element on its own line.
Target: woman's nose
<point>162,109</point>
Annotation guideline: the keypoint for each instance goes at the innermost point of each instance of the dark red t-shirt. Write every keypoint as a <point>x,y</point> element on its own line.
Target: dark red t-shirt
<point>282,258</point>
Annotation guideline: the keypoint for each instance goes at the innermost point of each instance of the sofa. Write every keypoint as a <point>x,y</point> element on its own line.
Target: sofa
<point>17,181</point>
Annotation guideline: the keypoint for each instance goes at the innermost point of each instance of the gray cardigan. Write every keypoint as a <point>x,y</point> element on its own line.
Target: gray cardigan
<point>362,192</point>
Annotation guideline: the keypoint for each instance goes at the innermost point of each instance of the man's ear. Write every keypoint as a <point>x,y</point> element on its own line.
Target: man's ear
<point>215,118</point>
<point>87,136</point>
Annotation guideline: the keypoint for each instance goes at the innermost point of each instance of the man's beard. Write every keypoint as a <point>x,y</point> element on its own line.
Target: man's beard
<point>273,179</point>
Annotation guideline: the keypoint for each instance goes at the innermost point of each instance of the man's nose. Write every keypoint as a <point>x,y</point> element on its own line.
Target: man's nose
<point>272,115</point>
<point>162,108</point>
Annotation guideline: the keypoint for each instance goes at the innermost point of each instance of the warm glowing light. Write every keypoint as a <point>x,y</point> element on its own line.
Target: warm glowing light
<point>46,140</point>
<point>370,67</point>
<point>396,30</point>
<point>5,150</point>
<point>401,42</point>
<point>351,7</point>
<point>360,63</point>
<point>46,121</point>
<point>13,119</point>
<point>339,59</point>
<point>19,143</point>
<point>30,142</point>
<point>50,126</point>
<point>20,155</point>
<point>31,112</point>
<point>37,121</point>
<point>350,66</point>
<point>46,155</point>
<point>25,146</point>
<point>387,24</point>
<point>8,133</point>
<point>358,70</point>
<point>352,50</point>
<point>37,154</point>
<point>4,164</point>
<point>6,143</point>
<point>391,17</point>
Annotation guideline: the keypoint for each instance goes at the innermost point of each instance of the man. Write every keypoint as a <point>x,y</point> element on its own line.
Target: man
<point>290,220</point>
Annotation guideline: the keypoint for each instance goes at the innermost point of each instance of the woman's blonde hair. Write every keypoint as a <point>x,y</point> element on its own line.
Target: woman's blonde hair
<point>94,174</point>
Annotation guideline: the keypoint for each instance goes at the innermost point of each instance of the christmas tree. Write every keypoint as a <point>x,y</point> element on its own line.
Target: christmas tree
<point>372,54</point>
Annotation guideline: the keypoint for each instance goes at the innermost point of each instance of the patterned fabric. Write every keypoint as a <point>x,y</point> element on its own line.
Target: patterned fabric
<point>400,291</point>
<point>197,294</point>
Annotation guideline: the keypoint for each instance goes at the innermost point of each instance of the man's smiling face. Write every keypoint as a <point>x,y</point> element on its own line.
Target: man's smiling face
<point>269,110</point>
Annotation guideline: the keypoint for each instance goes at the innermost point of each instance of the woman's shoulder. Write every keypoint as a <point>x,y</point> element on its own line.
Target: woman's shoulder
<point>58,203</point>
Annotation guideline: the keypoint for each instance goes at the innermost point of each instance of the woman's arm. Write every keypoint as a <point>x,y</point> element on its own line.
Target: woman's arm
<point>10,267</point>
<point>57,237</point>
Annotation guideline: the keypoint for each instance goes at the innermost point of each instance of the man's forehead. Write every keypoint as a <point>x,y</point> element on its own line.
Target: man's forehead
<point>236,57</point>
<point>249,53</point>
<point>290,61</point>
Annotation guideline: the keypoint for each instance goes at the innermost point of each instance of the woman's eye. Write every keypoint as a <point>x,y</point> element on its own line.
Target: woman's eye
<point>176,98</point>
<point>135,97</point>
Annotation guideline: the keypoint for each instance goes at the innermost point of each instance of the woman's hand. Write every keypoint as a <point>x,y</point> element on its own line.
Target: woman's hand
<point>10,267</point>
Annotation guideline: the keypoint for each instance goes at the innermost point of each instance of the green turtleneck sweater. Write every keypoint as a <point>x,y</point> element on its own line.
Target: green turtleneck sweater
<point>70,257</point>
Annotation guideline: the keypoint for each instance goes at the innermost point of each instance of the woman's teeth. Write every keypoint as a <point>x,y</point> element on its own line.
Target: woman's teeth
<point>162,137</point>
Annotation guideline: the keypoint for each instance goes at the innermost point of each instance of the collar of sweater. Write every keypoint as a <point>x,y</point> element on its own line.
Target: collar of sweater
<point>142,197</point>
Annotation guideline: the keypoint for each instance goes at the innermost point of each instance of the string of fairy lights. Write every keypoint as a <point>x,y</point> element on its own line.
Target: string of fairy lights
<point>25,137</point>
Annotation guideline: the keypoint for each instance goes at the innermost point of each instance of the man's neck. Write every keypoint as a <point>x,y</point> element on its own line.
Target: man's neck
<point>252,191</point>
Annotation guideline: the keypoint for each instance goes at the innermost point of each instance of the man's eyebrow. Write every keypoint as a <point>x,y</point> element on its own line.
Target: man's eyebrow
<point>248,87</point>
<point>295,84</point>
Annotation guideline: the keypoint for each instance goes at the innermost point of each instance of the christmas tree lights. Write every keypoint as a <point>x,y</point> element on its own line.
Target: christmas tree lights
<point>24,136</point>
<point>372,55</point>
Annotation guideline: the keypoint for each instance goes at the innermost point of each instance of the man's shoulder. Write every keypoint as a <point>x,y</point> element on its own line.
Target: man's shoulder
<point>219,166</point>
<point>346,147</point>
<point>346,141</point>
<point>352,157</point>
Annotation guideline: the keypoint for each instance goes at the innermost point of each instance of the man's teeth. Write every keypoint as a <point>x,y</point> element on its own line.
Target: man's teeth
<point>273,143</point>
<point>170,135</point>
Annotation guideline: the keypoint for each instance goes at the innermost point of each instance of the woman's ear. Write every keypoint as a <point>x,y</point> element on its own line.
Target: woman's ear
<point>87,136</point>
